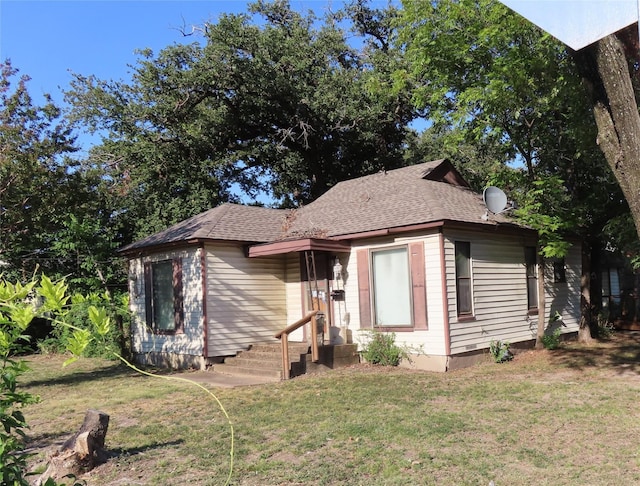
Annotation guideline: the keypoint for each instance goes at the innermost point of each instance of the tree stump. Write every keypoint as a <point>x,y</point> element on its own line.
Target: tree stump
<point>81,452</point>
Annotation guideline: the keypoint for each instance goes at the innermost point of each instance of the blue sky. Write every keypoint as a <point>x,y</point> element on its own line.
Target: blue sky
<point>46,39</point>
<point>49,39</point>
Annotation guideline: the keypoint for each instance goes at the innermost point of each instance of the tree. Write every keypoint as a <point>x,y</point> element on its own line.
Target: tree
<point>495,78</point>
<point>43,191</point>
<point>33,142</point>
<point>283,104</point>
<point>610,68</point>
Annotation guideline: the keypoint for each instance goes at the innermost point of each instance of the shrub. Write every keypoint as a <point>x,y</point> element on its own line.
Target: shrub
<point>552,340</point>
<point>382,349</point>
<point>117,337</point>
<point>604,329</point>
<point>500,351</point>
<point>18,308</point>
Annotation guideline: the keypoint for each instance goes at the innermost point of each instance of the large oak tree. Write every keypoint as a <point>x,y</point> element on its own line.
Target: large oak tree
<point>275,101</point>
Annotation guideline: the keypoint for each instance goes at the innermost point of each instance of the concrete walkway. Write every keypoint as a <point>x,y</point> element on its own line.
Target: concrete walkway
<point>222,380</point>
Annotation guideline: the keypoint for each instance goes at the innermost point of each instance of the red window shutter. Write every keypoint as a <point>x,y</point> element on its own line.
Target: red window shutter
<point>178,298</point>
<point>364,293</point>
<point>148,295</point>
<point>418,284</point>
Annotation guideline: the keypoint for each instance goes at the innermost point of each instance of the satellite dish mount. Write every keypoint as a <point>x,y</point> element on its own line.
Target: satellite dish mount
<point>496,201</point>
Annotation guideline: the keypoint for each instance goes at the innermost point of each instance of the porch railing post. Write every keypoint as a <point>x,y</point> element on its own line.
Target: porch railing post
<point>285,356</point>
<point>284,339</point>
<point>314,338</point>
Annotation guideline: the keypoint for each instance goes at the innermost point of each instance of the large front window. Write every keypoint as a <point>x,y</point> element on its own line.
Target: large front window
<point>164,296</point>
<point>391,287</point>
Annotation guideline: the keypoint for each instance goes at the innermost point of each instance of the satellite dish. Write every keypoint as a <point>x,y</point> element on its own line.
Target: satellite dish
<point>495,199</point>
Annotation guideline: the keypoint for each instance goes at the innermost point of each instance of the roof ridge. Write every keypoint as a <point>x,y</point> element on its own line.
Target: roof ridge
<point>223,209</point>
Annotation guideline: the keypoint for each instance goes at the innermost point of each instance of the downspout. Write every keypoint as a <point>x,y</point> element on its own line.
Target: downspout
<point>203,273</point>
<point>445,300</point>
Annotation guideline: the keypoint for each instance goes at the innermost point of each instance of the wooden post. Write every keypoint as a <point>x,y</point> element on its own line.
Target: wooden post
<point>284,339</point>
<point>285,356</point>
<point>314,338</point>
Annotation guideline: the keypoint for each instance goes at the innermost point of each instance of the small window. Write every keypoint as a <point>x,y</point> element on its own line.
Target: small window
<point>559,273</point>
<point>163,295</point>
<point>530,256</point>
<point>391,287</point>
<point>464,297</point>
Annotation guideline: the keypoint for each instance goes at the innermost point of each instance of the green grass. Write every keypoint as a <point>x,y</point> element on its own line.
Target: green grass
<point>562,417</point>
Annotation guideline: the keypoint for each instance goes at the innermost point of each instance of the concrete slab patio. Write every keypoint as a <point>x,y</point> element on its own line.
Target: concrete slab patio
<point>221,380</point>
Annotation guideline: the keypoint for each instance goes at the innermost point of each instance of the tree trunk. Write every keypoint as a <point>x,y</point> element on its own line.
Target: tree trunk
<point>82,452</point>
<point>584,331</point>
<point>605,69</point>
<point>596,278</point>
<point>542,321</point>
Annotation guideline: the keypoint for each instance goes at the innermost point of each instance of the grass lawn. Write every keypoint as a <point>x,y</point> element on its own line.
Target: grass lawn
<point>564,417</point>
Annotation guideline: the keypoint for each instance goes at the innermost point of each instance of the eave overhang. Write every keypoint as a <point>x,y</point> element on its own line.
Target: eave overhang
<point>297,245</point>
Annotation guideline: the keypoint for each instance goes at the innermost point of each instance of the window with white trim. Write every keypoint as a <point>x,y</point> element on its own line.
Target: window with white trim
<point>163,296</point>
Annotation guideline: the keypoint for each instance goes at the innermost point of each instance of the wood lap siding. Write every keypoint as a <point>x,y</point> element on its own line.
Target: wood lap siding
<point>564,297</point>
<point>246,299</point>
<point>499,293</point>
<point>294,294</point>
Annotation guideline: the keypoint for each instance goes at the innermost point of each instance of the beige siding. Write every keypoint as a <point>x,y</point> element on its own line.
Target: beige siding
<point>430,341</point>
<point>191,341</point>
<point>293,289</point>
<point>500,293</point>
<point>246,299</point>
<point>564,297</point>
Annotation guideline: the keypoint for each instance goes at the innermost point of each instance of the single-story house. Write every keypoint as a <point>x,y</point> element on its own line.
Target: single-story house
<point>409,251</point>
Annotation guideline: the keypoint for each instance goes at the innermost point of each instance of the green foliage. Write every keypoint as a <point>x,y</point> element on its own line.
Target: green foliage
<point>382,349</point>
<point>274,101</point>
<point>552,339</point>
<point>499,351</point>
<point>104,315</point>
<point>501,85</point>
<point>546,208</point>
<point>56,215</point>
<point>19,304</point>
<point>604,328</point>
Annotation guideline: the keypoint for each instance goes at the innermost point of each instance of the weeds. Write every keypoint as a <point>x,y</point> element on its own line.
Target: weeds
<point>499,351</point>
<point>382,349</point>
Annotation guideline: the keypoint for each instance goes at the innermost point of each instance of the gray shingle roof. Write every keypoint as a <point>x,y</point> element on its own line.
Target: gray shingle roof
<point>392,199</point>
<point>401,197</point>
<point>233,222</point>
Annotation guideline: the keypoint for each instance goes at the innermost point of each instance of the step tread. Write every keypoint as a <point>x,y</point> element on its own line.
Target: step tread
<point>240,361</point>
<point>276,348</point>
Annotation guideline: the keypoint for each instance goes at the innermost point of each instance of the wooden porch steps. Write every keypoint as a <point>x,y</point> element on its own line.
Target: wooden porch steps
<point>265,360</point>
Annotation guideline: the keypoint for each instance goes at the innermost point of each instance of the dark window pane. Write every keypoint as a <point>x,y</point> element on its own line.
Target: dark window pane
<point>464,296</point>
<point>163,304</point>
<point>559,274</point>
<point>463,257</point>
<point>530,258</point>
<point>463,277</point>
